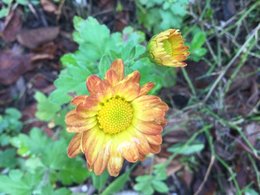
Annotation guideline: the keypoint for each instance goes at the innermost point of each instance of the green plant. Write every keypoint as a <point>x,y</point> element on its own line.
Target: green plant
<point>198,39</point>
<point>148,184</point>
<point>40,164</point>
<point>159,15</point>
<point>7,4</point>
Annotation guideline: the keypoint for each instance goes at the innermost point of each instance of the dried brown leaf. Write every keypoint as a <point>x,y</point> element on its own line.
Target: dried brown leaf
<point>34,38</point>
<point>13,24</point>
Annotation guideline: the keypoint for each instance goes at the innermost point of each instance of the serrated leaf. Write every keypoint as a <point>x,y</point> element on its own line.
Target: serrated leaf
<point>18,183</point>
<point>46,109</point>
<point>72,171</point>
<point>71,80</point>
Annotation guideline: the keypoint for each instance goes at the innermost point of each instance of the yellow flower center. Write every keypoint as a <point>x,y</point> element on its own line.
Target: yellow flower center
<point>167,46</point>
<point>115,115</point>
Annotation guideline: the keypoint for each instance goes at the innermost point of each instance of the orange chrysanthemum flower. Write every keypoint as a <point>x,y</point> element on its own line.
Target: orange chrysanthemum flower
<point>167,48</point>
<point>117,121</point>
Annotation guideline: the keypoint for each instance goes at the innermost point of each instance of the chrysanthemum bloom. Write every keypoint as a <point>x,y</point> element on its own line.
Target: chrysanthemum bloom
<point>117,121</point>
<point>167,48</point>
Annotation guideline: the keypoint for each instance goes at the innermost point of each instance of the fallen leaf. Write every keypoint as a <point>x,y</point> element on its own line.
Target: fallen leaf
<point>12,66</point>
<point>13,25</point>
<point>36,37</point>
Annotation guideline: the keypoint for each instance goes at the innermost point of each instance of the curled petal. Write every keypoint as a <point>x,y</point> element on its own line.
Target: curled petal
<point>79,99</point>
<point>103,156</point>
<point>76,123</point>
<point>75,146</point>
<point>149,128</point>
<point>150,102</point>
<point>154,139</point>
<point>134,77</point>
<point>128,148</point>
<point>151,115</point>
<point>141,142</point>
<point>94,143</point>
<point>115,164</point>
<point>96,85</point>
<point>112,77</point>
<point>128,91</point>
<point>118,67</point>
<point>155,149</point>
<point>146,88</point>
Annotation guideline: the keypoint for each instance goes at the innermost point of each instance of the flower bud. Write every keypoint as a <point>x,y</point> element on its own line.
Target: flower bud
<point>167,48</point>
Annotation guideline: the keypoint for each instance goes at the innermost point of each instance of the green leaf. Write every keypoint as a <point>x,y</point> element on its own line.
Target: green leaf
<point>99,181</point>
<point>8,158</point>
<point>198,39</point>
<point>250,191</point>
<point>71,80</point>
<point>35,143</point>
<point>19,183</point>
<point>161,15</point>
<point>117,184</point>
<point>160,171</point>
<point>160,186</point>
<point>10,122</point>
<point>13,113</point>
<point>4,12</point>
<point>73,171</point>
<point>144,178</point>
<point>104,65</point>
<point>46,110</point>
<point>186,149</point>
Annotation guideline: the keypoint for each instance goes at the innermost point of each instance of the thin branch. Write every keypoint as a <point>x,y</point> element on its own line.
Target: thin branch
<point>212,160</point>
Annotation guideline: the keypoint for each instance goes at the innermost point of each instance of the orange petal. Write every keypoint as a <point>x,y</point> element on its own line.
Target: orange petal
<point>129,91</point>
<point>94,143</point>
<point>74,146</point>
<point>76,123</point>
<point>79,99</point>
<point>87,110</point>
<point>150,115</point>
<point>155,149</point>
<point>134,77</point>
<point>141,142</point>
<point>149,128</point>
<point>102,159</point>
<point>112,77</point>
<point>118,67</point>
<point>146,88</point>
<point>154,139</point>
<point>115,164</point>
<point>96,85</point>
<point>129,150</point>
<point>150,101</point>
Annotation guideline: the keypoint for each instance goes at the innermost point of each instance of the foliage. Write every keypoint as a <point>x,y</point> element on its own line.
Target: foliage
<point>42,162</point>
<point>7,4</point>
<point>148,184</point>
<point>197,51</point>
<point>159,15</point>
<point>10,125</point>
